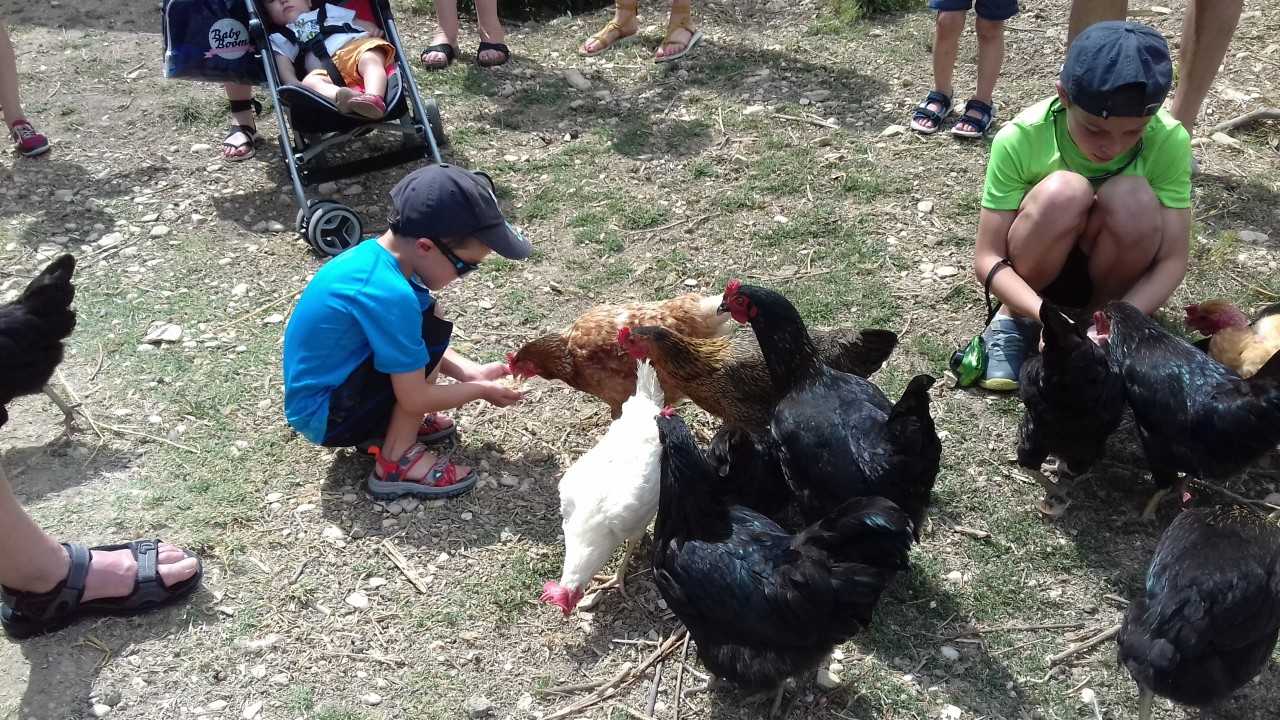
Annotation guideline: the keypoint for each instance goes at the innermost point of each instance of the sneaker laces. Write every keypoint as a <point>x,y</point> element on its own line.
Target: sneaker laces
<point>23,131</point>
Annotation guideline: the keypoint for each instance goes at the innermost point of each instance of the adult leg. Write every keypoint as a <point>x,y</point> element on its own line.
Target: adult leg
<point>1122,236</point>
<point>491,31</point>
<point>238,145</point>
<point>1207,28</point>
<point>446,34</point>
<point>946,45</point>
<point>31,561</point>
<point>1087,12</point>
<point>681,33</point>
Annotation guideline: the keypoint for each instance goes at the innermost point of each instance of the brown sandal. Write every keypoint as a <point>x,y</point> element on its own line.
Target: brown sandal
<point>613,32</point>
<point>680,19</point>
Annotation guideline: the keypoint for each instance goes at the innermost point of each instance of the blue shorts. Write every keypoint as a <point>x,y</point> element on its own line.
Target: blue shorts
<point>360,408</point>
<point>994,10</point>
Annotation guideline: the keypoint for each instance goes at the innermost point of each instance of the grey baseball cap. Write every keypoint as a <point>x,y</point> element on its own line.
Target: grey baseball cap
<point>445,201</point>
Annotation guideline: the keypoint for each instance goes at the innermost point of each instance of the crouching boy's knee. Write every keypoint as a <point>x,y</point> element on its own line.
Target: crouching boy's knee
<point>1128,208</point>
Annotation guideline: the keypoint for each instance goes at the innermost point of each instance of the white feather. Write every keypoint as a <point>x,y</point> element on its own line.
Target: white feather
<point>610,494</point>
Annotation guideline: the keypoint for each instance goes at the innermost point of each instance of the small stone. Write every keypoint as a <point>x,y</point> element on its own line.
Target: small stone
<point>201,148</point>
<point>525,702</point>
<point>240,290</point>
<point>145,348</point>
<point>1253,237</point>
<point>826,680</point>
<point>946,270</point>
<point>950,654</point>
<point>258,671</point>
<point>390,523</point>
<point>509,481</point>
<point>64,195</point>
<point>1088,696</point>
<point>478,706</point>
<point>466,515</point>
<point>163,332</point>
<point>110,697</point>
<point>358,600</point>
<point>753,109</point>
<point>273,319</point>
<point>327,188</point>
<point>818,95</point>
<point>955,576</point>
<point>113,238</point>
<point>376,582</point>
<point>353,190</point>
<point>333,533</point>
<point>485,304</point>
<point>394,508</point>
<point>893,130</point>
<point>259,227</point>
<point>275,226</point>
<point>805,101</point>
<point>950,712</point>
<point>99,710</point>
<point>577,104</point>
<point>1160,10</point>
<point>507,90</point>
<point>275,497</point>
<point>781,219</point>
<point>216,706</point>
<point>279,679</point>
<point>159,231</point>
<point>252,709</point>
<point>409,504</point>
<point>925,206</point>
<point>350,497</point>
<point>690,282</point>
<point>576,80</point>
<point>371,699</point>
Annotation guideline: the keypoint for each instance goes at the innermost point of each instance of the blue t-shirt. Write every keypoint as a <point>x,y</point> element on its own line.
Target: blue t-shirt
<point>359,304</point>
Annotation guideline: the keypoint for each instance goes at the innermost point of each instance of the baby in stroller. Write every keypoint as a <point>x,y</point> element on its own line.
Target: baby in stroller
<point>333,51</point>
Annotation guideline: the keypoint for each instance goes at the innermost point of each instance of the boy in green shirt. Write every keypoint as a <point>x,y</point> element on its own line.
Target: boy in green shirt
<point>1088,194</point>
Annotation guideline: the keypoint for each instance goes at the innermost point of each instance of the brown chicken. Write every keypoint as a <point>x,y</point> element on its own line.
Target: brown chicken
<point>587,356</point>
<point>728,377</point>
<point>1233,340</point>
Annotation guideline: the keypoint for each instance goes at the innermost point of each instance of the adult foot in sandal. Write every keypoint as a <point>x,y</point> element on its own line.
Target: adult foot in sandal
<point>50,585</point>
<point>928,116</point>
<point>241,141</point>
<point>623,25</point>
<point>681,36</point>
<point>976,120</point>
<point>418,472</point>
<point>493,50</point>
<point>441,53</point>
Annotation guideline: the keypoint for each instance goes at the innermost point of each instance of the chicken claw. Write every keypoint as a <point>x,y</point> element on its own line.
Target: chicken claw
<point>1149,512</point>
<point>1055,502</point>
<point>712,683</point>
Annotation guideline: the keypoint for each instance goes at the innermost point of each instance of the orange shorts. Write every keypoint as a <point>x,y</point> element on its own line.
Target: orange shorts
<point>347,59</point>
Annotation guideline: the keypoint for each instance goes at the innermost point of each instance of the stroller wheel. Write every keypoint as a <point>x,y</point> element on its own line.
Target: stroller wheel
<point>332,228</point>
<point>434,121</point>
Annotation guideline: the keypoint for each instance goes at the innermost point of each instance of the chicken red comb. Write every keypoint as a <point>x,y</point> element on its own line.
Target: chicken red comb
<point>624,334</point>
<point>733,287</point>
<point>668,411</point>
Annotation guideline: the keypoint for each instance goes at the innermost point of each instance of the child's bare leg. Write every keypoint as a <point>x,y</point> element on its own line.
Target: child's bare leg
<point>1122,236</point>
<point>990,57</point>
<point>323,86</point>
<point>373,70</point>
<point>946,45</point>
<point>402,433</point>
<point>1206,34</point>
<point>1087,12</point>
<point>1050,223</point>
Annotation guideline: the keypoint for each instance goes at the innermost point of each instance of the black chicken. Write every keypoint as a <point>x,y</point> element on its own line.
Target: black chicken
<point>751,471</point>
<point>1074,400</point>
<point>762,604</point>
<point>1211,612</point>
<point>32,329</point>
<point>1193,414</point>
<point>837,435</point>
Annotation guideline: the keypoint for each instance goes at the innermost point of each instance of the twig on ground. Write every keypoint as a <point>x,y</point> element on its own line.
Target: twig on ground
<point>98,367</point>
<point>633,712</point>
<point>684,652</point>
<point>652,700</point>
<point>1020,628</point>
<point>157,438</point>
<point>1080,647</point>
<point>1268,113</point>
<point>792,276</point>
<point>971,532</point>
<point>400,561</point>
<point>251,313</point>
<point>811,121</point>
<point>392,661</point>
<point>627,676</point>
<point>1238,498</point>
<point>592,685</point>
<point>297,574</point>
<point>693,222</point>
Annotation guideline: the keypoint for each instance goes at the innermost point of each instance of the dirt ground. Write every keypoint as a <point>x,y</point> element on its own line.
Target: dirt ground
<point>769,154</point>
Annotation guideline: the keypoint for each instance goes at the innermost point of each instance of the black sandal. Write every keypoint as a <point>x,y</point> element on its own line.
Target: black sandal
<point>248,131</point>
<point>26,614</point>
<point>445,49</point>
<point>982,122</point>
<point>500,47</point>
<point>924,112</point>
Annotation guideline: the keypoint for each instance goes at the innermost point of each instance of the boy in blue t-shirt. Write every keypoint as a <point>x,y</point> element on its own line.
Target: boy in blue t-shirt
<point>366,340</point>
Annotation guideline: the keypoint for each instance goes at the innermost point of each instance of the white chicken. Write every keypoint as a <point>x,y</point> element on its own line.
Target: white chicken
<point>609,496</point>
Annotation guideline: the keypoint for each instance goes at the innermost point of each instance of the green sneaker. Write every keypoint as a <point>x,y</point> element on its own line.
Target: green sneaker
<point>1008,340</point>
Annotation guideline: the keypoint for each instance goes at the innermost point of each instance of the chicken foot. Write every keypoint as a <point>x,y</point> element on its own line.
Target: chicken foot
<point>712,683</point>
<point>68,412</point>
<point>1145,697</point>
<point>1055,501</point>
<point>618,579</point>
<point>1176,486</point>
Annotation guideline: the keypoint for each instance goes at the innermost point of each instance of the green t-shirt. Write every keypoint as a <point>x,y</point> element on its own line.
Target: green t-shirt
<point>1037,143</point>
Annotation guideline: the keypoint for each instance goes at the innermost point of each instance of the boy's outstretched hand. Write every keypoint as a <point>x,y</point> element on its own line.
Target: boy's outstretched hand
<point>491,371</point>
<point>497,394</point>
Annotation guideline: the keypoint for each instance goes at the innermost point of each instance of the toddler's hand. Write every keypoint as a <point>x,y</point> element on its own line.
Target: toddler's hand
<point>491,371</point>
<point>499,395</point>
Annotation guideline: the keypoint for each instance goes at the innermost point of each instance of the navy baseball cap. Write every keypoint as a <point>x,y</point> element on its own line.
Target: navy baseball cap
<point>444,201</point>
<point>1118,69</point>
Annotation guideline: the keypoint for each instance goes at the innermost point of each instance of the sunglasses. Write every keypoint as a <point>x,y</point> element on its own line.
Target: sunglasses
<point>460,266</point>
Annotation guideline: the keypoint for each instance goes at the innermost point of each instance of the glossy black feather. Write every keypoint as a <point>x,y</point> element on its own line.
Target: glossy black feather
<point>1193,414</point>
<point>763,604</point>
<point>32,329</point>
<point>837,435</point>
<point>1073,397</point>
<point>1210,615</point>
<point>750,470</point>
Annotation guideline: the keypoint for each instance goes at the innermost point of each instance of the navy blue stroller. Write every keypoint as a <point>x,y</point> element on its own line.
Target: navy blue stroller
<point>226,40</point>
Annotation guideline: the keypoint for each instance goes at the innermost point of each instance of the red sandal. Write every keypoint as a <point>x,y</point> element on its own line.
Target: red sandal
<point>441,481</point>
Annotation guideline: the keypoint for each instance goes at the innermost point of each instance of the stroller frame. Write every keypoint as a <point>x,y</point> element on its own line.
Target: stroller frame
<point>328,226</point>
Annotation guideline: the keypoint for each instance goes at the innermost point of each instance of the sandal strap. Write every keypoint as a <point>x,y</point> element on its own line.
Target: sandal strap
<point>63,598</point>
<point>395,470</point>
<point>246,130</point>
<point>981,122</point>
<point>680,18</point>
<point>242,105</point>
<point>449,51</point>
<point>610,27</point>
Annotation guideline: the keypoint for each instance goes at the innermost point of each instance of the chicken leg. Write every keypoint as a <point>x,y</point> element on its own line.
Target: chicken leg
<point>1175,485</point>
<point>1144,703</point>
<point>1055,502</point>
<point>712,683</point>
<point>619,578</point>
<point>68,412</point>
